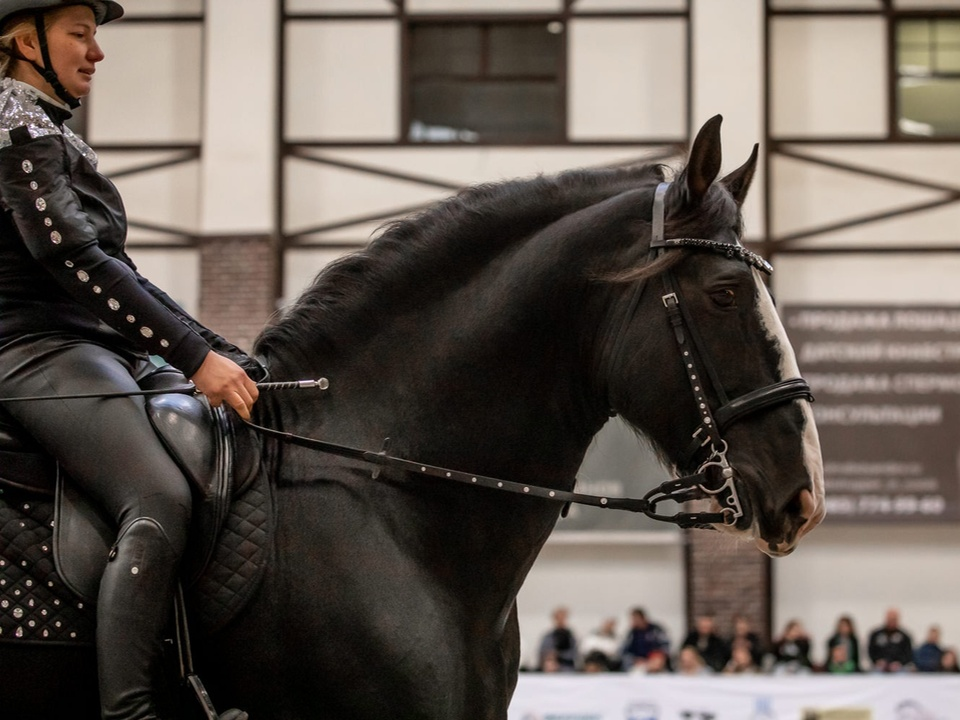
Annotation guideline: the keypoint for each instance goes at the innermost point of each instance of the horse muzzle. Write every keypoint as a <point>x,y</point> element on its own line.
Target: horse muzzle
<point>777,532</point>
<point>801,516</point>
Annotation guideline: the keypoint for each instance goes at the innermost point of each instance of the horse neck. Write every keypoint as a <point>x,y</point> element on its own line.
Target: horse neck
<point>497,365</point>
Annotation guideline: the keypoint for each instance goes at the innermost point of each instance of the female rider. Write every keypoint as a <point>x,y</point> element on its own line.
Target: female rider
<point>77,317</point>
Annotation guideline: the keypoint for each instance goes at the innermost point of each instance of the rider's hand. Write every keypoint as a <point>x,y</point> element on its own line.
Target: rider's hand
<point>222,380</point>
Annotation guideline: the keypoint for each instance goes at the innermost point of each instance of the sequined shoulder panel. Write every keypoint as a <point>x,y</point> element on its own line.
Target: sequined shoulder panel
<point>19,108</point>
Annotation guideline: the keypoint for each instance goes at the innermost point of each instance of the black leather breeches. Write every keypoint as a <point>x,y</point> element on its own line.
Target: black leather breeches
<point>107,446</point>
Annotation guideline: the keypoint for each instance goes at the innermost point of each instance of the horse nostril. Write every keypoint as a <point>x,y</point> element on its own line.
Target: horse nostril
<point>795,506</point>
<point>810,511</point>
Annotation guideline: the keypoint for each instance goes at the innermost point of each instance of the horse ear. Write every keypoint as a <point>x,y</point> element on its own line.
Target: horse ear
<point>704,163</point>
<point>738,182</point>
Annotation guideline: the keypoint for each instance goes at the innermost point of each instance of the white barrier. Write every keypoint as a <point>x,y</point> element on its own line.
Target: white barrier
<point>669,697</point>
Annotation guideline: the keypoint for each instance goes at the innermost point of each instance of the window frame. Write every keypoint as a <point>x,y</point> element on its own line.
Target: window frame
<point>485,22</point>
<point>895,132</point>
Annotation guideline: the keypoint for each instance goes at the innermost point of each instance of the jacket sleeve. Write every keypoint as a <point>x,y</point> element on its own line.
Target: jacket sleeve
<point>223,346</point>
<point>35,188</point>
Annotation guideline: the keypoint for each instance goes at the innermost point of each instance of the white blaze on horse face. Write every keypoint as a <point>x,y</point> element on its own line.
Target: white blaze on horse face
<point>813,504</point>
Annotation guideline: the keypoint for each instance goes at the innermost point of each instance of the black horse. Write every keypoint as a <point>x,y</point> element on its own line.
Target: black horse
<point>495,334</point>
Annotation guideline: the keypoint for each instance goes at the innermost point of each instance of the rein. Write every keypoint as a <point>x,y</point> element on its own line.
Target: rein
<point>710,481</point>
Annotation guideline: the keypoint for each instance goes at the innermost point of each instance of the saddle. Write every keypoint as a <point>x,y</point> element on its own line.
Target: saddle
<point>226,552</point>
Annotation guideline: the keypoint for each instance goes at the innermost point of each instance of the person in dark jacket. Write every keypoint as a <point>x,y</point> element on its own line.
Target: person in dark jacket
<point>558,647</point>
<point>890,646</point>
<point>845,634</point>
<point>712,647</point>
<point>643,639</point>
<point>927,656</point>
<point>791,651</point>
<point>77,317</point>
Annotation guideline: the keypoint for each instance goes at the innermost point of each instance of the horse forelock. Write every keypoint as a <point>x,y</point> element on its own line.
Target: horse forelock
<point>434,249</point>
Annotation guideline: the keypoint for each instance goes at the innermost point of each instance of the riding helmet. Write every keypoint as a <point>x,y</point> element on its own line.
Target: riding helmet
<point>103,10</point>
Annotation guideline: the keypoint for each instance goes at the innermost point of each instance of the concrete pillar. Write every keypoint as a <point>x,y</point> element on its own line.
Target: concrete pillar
<point>724,577</point>
<point>728,78</point>
<point>238,262</point>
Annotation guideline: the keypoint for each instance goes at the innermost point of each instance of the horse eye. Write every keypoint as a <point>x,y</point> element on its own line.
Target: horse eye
<point>725,298</point>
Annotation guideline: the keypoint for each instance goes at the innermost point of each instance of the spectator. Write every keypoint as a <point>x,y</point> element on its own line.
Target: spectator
<point>845,634</point>
<point>927,656</point>
<point>791,651</point>
<point>657,662</point>
<point>603,641</point>
<point>558,646</point>
<point>549,662</point>
<point>890,647</point>
<point>643,638</point>
<point>689,662</point>
<point>709,644</point>
<point>839,662</point>
<point>741,659</point>
<point>743,634</point>
<point>596,661</point>
<point>948,661</point>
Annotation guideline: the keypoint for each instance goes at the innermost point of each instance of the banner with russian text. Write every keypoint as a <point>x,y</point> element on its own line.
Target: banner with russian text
<point>887,388</point>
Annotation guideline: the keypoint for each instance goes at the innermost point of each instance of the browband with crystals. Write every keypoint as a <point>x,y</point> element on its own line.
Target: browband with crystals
<point>732,250</point>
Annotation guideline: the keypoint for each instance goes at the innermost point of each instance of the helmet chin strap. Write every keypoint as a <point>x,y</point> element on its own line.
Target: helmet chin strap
<point>46,70</point>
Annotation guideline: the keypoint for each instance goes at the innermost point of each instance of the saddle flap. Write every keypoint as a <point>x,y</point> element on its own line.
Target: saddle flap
<point>82,537</point>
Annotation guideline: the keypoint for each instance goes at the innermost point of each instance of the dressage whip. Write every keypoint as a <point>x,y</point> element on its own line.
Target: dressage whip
<point>319,384</point>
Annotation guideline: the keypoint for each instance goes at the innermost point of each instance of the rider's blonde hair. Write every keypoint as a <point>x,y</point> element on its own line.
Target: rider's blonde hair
<point>18,25</point>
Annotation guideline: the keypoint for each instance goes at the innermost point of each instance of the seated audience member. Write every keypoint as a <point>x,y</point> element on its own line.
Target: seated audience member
<point>559,645</point>
<point>948,661</point>
<point>890,646</point>
<point>657,662</point>
<point>711,647</point>
<point>689,662</point>
<point>927,656</point>
<point>838,662</point>
<point>845,634</point>
<point>550,664</point>
<point>604,641</point>
<point>741,660</point>
<point>791,651</point>
<point>643,638</point>
<point>743,634</point>
<point>596,661</point>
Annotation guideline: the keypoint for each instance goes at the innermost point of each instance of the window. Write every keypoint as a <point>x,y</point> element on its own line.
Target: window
<point>486,82</point>
<point>928,77</point>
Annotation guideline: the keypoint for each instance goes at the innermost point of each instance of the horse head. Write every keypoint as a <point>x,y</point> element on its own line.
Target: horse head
<point>727,391</point>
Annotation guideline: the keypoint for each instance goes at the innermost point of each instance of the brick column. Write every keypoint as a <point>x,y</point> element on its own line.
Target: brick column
<point>727,577</point>
<point>236,290</point>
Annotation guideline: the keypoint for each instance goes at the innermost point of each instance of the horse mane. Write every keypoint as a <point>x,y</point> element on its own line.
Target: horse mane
<point>449,240</point>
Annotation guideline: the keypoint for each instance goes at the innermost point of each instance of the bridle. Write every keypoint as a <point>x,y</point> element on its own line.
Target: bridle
<point>699,369</point>
<point>714,477</point>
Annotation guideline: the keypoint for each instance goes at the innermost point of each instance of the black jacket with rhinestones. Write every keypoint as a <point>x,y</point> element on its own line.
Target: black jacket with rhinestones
<point>63,268</point>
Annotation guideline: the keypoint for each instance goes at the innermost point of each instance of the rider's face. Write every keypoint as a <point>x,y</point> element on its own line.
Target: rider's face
<point>74,51</point>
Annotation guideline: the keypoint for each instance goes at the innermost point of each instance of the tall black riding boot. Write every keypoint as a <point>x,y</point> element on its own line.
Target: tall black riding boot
<point>135,601</point>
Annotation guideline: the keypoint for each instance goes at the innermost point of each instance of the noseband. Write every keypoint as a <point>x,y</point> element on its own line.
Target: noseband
<point>714,477</point>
